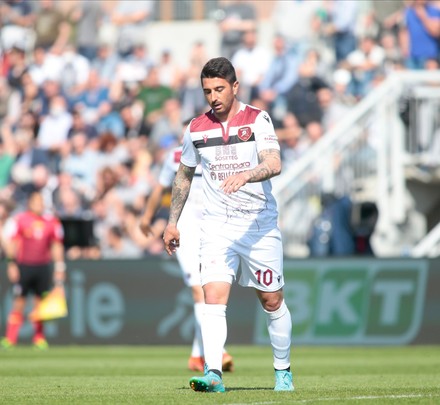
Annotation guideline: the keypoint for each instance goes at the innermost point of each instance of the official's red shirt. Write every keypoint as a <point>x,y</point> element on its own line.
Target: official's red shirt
<point>34,235</point>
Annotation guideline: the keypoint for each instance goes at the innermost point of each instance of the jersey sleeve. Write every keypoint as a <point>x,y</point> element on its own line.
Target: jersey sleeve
<point>265,135</point>
<point>190,156</point>
<point>168,171</point>
<point>10,229</point>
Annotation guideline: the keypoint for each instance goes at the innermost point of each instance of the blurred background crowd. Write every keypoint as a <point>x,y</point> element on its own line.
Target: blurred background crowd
<point>87,117</point>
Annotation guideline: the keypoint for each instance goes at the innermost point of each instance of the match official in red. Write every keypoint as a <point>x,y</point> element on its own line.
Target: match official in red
<point>33,240</point>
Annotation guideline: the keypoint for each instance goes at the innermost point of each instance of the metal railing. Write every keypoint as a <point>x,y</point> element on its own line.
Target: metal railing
<point>364,156</point>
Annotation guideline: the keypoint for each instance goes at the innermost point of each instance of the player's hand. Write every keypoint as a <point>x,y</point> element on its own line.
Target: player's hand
<point>234,182</point>
<point>171,238</point>
<point>13,273</point>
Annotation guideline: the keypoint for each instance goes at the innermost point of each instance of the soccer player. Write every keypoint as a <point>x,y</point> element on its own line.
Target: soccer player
<point>32,239</point>
<point>239,152</point>
<point>188,254</point>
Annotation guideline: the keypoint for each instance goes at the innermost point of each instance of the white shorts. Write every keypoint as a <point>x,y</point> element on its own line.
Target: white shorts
<point>188,253</point>
<point>259,255</point>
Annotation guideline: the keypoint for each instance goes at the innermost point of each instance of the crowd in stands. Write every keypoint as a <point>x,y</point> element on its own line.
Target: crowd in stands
<point>88,122</point>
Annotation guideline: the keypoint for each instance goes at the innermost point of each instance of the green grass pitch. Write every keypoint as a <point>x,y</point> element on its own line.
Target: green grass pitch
<point>158,375</point>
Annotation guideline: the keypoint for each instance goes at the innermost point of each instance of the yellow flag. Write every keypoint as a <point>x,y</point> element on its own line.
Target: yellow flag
<point>52,306</point>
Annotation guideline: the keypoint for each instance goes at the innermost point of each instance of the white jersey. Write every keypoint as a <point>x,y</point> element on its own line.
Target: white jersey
<point>193,207</point>
<point>190,220</point>
<point>224,152</point>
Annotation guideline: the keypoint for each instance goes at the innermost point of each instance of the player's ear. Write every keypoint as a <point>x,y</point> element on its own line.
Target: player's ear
<point>235,87</point>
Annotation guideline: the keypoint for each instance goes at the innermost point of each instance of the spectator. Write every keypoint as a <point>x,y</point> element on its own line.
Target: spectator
<point>341,27</point>
<point>48,90</point>
<point>331,233</point>
<point>153,95</point>
<point>118,245</point>
<point>91,97</point>
<point>364,63</point>
<point>87,16</point>
<point>82,164</point>
<point>236,18</point>
<point>291,137</point>
<point>135,67</point>
<point>280,76</point>
<point>51,28</point>
<point>38,179</point>
<point>29,96</point>
<point>334,108</point>
<point>169,124</point>
<point>69,204</point>
<point>8,98</point>
<point>302,98</point>
<point>170,74</point>
<point>110,152</point>
<point>66,182</point>
<point>45,66</point>
<point>16,18</point>
<point>77,222</point>
<point>251,62</point>
<point>133,122</point>
<point>54,131</point>
<point>105,63</point>
<point>420,37</point>
<point>17,67</point>
<point>131,17</point>
<point>193,101</point>
<point>302,16</point>
<point>79,125</point>
<point>29,157</point>
<point>105,205</point>
<point>151,244</point>
<point>393,59</point>
<point>109,120</point>
<point>75,72</point>
<point>6,209</point>
<point>8,154</point>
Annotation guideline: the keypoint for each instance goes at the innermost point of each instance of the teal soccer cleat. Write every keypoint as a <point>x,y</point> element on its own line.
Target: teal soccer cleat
<point>283,381</point>
<point>210,382</point>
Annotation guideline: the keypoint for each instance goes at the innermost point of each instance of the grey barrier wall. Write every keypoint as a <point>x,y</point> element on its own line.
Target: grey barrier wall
<point>332,301</point>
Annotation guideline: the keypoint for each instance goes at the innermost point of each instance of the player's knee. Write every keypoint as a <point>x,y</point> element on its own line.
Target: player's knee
<point>271,302</point>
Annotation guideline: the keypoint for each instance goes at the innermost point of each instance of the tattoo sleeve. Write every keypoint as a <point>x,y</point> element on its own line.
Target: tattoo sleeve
<point>180,191</point>
<point>270,166</point>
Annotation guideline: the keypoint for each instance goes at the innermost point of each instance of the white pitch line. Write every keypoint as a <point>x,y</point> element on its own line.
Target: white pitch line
<point>357,398</point>
<point>368,397</point>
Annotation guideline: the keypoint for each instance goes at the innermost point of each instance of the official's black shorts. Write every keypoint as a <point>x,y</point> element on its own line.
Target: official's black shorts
<point>34,279</point>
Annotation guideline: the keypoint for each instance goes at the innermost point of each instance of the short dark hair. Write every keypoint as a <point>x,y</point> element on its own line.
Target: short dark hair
<point>219,67</point>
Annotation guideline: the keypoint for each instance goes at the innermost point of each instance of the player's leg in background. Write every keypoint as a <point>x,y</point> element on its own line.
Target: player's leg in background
<point>196,361</point>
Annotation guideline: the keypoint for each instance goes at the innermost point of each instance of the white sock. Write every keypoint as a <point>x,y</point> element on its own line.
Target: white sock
<point>197,347</point>
<point>279,325</point>
<point>214,332</point>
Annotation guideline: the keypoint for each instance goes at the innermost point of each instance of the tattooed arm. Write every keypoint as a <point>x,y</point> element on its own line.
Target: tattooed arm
<point>270,166</point>
<point>179,195</point>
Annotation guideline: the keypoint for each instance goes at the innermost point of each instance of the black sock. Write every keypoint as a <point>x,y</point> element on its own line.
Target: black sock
<point>285,369</point>
<point>216,372</point>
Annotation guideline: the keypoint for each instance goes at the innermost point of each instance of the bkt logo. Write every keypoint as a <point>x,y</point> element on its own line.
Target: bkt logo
<point>353,302</point>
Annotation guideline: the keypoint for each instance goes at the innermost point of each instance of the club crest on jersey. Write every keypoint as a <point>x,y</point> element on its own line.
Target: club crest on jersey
<point>205,138</point>
<point>244,134</point>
